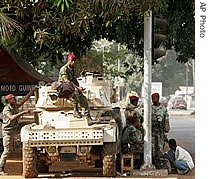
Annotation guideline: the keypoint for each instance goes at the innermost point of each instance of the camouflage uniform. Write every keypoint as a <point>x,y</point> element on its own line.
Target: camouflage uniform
<point>141,132</point>
<point>131,139</point>
<point>70,73</point>
<point>131,110</point>
<point>160,126</point>
<point>139,159</point>
<point>9,129</point>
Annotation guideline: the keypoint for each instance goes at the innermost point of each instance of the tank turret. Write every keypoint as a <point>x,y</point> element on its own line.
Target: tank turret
<point>97,90</point>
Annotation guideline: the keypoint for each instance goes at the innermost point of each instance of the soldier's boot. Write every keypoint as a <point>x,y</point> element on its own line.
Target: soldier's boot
<point>90,120</point>
<point>2,172</point>
<point>77,113</point>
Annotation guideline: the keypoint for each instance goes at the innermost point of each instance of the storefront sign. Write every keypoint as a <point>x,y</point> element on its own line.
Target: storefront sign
<point>16,88</point>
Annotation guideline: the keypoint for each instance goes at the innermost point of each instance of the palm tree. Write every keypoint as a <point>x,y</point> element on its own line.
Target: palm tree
<point>7,25</point>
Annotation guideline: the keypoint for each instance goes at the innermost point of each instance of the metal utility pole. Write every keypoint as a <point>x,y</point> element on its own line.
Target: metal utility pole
<point>193,67</point>
<point>187,71</point>
<point>118,69</point>
<point>147,90</point>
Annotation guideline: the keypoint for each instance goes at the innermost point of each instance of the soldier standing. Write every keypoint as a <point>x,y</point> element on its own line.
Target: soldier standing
<point>132,108</point>
<point>160,127</point>
<point>11,125</point>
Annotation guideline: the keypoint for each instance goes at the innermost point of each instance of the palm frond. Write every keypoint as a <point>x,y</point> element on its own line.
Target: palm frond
<point>7,25</point>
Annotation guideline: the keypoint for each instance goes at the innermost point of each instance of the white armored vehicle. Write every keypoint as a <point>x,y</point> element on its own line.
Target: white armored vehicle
<point>57,135</point>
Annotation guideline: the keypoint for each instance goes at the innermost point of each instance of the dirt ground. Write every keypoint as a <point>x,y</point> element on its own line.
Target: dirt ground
<point>14,169</point>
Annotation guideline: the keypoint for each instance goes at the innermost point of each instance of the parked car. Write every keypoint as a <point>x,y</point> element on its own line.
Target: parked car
<point>179,104</point>
<point>172,100</point>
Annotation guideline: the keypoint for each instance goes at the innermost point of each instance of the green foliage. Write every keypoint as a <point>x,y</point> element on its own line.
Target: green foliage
<point>181,28</point>
<point>63,4</point>
<point>54,27</point>
<point>171,73</point>
<point>8,25</point>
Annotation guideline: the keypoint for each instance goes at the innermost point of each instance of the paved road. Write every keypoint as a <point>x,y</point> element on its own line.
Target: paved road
<point>182,124</point>
<point>183,129</point>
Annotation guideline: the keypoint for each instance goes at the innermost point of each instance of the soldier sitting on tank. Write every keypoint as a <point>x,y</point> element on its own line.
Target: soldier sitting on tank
<point>133,141</point>
<point>67,74</point>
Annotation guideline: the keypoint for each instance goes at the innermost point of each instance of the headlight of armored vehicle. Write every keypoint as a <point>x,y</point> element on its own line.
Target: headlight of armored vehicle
<point>92,96</point>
